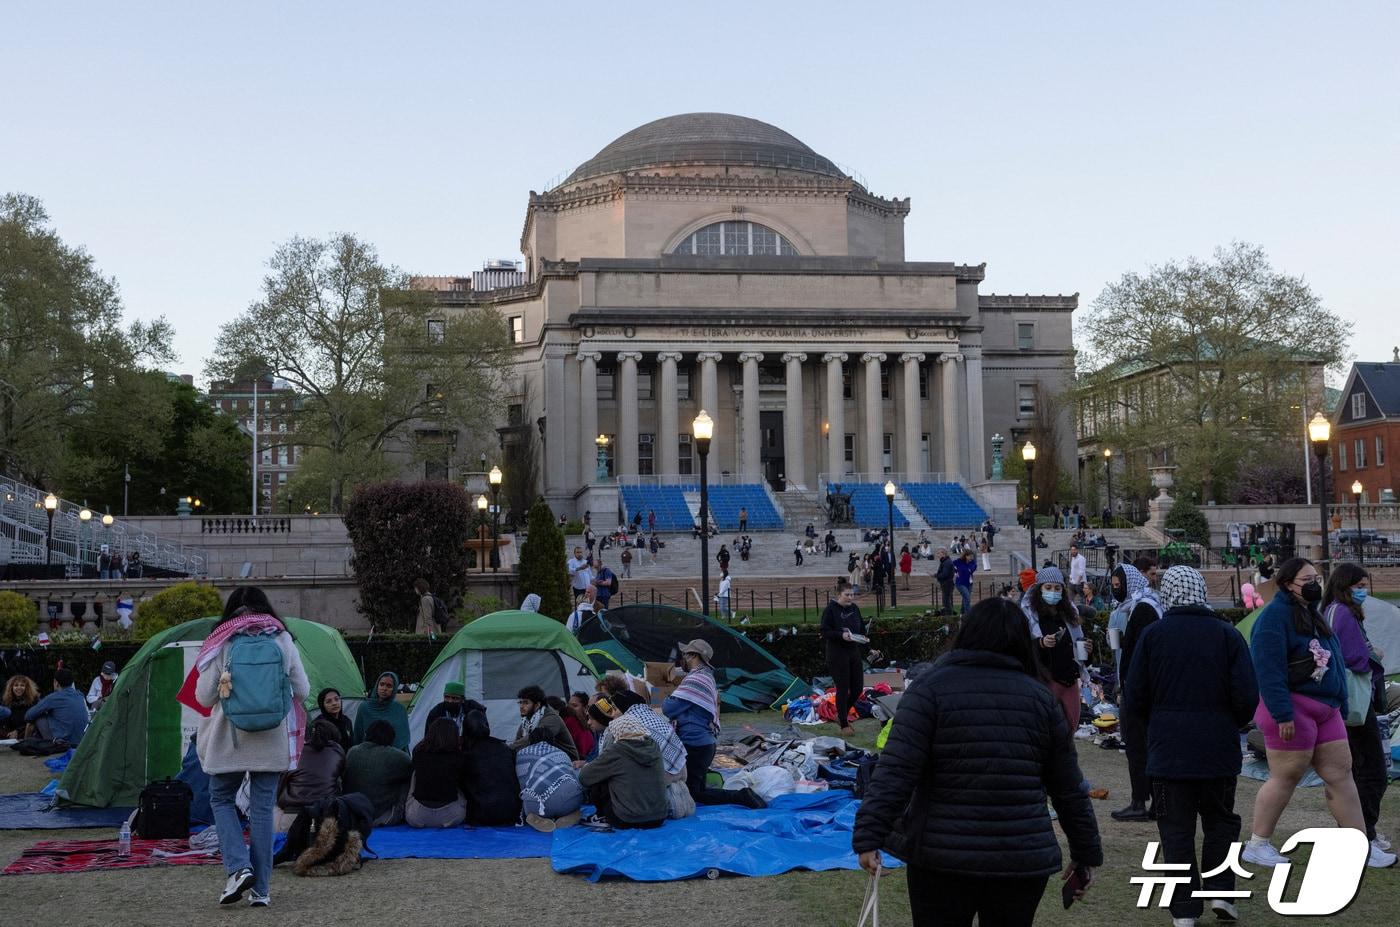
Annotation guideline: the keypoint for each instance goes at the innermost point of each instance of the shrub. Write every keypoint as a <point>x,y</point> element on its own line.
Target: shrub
<point>180,603</point>
<point>19,618</point>
<point>1186,517</point>
<point>542,563</point>
<point>474,606</point>
<point>403,531</point>
<point>573,528</point>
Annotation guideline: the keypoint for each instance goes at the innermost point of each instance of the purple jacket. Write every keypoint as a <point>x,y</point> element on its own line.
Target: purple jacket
<point>1356,648</point>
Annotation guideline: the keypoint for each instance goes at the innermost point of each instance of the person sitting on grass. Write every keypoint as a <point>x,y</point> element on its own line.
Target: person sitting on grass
<point>102,685</point>
<point>21,694</point>
<point>488,775</point>
<point>58,721</point>
<point>549,788</point>
<point>541,724</point>
<point>380,772</point>
<point>454,706</point>
<point>626,783</point>
<point>694,707</point>
<point>630,704</point>
<point>317,774</point>
<point>570,713</point>
<point>435,798</point>
<point>333,710</point>
<point>383,706</point>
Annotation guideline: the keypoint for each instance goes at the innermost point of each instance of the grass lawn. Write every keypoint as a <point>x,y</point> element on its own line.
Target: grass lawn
<point>529,892</point>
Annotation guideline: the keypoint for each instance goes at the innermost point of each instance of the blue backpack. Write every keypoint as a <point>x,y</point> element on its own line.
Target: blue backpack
<point>260,693</point>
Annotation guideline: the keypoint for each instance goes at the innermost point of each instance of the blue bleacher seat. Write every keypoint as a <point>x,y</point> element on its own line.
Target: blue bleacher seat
<point>673,514</point>
<point>944,505</point>
<point>668,502</point>
<point>725,502</point>
<point>871,510</point>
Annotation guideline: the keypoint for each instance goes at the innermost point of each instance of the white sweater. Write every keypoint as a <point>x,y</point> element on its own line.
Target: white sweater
<point>255,751</point>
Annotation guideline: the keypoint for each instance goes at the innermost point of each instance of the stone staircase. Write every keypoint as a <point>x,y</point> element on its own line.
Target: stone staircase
<point>799,509</point>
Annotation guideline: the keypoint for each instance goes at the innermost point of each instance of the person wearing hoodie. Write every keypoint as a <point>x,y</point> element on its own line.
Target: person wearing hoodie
<point>1138,607</point>
<point>944,576</point>
<point>333,710</point>
<point>626,782</point>
<point>454,706</point>
<point>488,775</point>
<point>1050,616</point>
<point>381,773</point>
<point>1191,688</point>
<point>382,706</point>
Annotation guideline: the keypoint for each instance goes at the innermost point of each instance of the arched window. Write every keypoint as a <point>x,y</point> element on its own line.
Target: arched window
<point>735,238</point>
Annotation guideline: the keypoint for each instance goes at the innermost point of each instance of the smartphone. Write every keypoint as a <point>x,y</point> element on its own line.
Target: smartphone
<point>1077,880</point>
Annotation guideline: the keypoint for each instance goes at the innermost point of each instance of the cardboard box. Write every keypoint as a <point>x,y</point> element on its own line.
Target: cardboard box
<point>659,674</point>
<point>659,694</point>
<point>892,678</point>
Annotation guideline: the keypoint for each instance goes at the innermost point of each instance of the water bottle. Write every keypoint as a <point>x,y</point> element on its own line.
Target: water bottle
<point>124,839</point>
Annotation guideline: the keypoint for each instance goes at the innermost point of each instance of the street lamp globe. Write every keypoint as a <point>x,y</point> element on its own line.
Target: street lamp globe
<point>51,502</point>
<point>1356,488</point>
<point>703,427</point>
<point>107,520</point>
<point>1028,452</point>
<point>495,476</point>
<point>481,503</point>
<point>1107,453</point>
<point>601,440</point>
<point>1319,430</point>
<point>85,515</point>
<point>890,489</point>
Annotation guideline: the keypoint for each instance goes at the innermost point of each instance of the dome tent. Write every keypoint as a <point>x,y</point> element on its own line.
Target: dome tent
<point>141,732</point>
<point>495,657</point>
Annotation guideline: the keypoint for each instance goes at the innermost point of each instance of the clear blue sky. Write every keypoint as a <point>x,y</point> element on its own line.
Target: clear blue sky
<point>1063,144</point>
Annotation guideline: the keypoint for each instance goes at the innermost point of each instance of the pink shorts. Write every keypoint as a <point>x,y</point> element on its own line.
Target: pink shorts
<point>1314,724</point>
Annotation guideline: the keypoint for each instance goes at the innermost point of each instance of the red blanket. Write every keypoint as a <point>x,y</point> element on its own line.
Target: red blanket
<point>97,855</point>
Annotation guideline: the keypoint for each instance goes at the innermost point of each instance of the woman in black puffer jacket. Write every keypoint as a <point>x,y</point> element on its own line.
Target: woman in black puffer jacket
<point>959,793</point>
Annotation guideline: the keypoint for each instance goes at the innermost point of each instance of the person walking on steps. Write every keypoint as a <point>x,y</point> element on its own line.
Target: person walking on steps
<point>237,689</point>
<point>1191,689</point>
<point>1138,607</point>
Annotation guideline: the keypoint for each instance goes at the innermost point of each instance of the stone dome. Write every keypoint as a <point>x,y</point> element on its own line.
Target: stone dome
<point>705,138</point>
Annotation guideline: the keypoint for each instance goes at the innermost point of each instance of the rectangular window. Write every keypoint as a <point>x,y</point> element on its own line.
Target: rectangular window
<point>1361,453</point>
<point>923,454</point>
<point>644,385</point>
<point>1358,405</point>
<point>267,456</point>
<point>923,382</point>
<point>282,456</point>
<point>683,384</point>
<point>515,413</point>
<point>888,454</point>
<point>736,238</point>
<point>605,382</point>
<point>1380,451</point>
<point>267,479</point>
<point>684,461</point>
<point>281,479</point>
<point>517,329</point>
<point>850,450</point>
<point>645,444</point>
<point>436,329</point>
<point>884,383</point>
<point>1341,455</point>
<point>1025,336</point>
<point>847,383</point>
<point>1025,400</point>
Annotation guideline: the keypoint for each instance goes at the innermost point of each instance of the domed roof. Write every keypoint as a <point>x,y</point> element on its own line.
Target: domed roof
<point>705,138</point>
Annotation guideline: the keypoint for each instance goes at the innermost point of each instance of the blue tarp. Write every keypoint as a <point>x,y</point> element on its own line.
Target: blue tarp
<point>59,763</point>
<point>33,810</point>
<point>811,832</point>
<point>459,843</point>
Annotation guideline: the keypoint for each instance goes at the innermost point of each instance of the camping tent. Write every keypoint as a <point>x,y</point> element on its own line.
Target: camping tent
<point>749,677</point>
<point>141,732</point>
<point>495,657</point>
<point>1382,628</point>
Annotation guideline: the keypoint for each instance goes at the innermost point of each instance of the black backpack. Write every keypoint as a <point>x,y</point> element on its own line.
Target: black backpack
<point>441,616</point>
<point>163,811</point>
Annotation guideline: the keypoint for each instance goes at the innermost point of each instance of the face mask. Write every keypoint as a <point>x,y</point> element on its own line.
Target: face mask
<point>1312,592</point>
<point>1120,593</point>
<point>1052,597</point>
<point>1359,594</point>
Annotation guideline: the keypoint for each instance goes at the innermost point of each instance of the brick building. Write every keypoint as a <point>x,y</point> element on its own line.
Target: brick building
<point>278,456</point>
<point>1366,432</point>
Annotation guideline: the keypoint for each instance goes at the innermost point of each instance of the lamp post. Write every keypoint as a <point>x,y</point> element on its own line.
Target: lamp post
<point>1028,455</point>
<point>481,506</point>
<point>703,429</point>
<point>50,506</point>
<point>84,527</point>
<point>889,506</point>
<point>1108,472</point>
<point>1356,490</point>
<point>1319,433</point>
<point>494,478</point>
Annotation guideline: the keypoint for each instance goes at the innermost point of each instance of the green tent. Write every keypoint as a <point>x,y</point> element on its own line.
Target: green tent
<point>496,656</point>
<point>749,677</point>
<point>141,732</point>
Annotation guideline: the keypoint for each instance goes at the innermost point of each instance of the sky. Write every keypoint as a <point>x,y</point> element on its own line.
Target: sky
<point>1062,144</point>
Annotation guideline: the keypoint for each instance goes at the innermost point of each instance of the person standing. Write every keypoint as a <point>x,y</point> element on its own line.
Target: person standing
<point>232,686</point>
<point>1192,687</point>
<point>1050,615</point>
<point>604,583</point>
<point>797,554</point>
<point>944,577</point>
<point>979,845</point>
<point>1078,569</point>
<point>424,623</point>
<point>843,631</point>
<point>743,518</point>
<point>963,568</point>
<point>626,559</point>
<point>1138,607</point>
<point>651,521</point>
<point>723,557</point>
<point>653,545</point>
<point>579,576</point>
<point>906,564</point>
<point>1343,607</point>
<point>723,598</point>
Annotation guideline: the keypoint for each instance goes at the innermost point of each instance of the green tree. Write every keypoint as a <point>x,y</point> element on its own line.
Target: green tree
<point>19,618</point>
<point>1185,516</point>
<point>61,335</point>
<point>352,336</point>
<point>175,605</point>
<point>542,563</point>
<point>1198,361</point>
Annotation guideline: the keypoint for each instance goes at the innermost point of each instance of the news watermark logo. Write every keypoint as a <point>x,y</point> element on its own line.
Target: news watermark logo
<point>1329,883</point>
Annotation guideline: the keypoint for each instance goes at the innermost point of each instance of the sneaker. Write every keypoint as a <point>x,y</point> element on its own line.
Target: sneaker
<point>567,820</point>
<point>597,823</point>
<point>237,884</point>
<point>1262,855</point>
<point>259,901</point>
<point>1224,911</point>
<point>1135,812</point>
<point>1380,859</point>
<point>1381,841</point>
<point>541,824</point>
<point>1183,922</point>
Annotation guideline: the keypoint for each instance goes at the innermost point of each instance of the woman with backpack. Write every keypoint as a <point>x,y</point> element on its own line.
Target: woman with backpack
<point>250,686</point>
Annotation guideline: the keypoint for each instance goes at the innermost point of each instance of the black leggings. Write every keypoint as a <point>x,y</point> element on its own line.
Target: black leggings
<point>942,899</point>
<point>697,768</point>
<point>847,672</point>
<point>1368,769</point>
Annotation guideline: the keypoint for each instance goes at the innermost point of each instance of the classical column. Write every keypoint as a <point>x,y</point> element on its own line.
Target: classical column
<point>835,417</point>
<point>556,459</point>
<point>588,415</point>
<point>752,465</point>
<point>976,429</point>
<point>874,423</point>
<point>913,432</point>
<point>794,428</point>
<point>952,426</point>
<point>626,449</point>
<point>667,435</point>
<point>709,401</point>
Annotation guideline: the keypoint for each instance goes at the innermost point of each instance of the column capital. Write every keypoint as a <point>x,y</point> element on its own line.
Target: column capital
<point>949,358</point>
<point>916,357</point>
<point>794,356</point>
<point>669,356</point>
<point>873,357</point>
<point>835,357</point>
<point>629,355</point>
<point>709,356</point>
<point>749,356</point>
<point>593,356</point>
